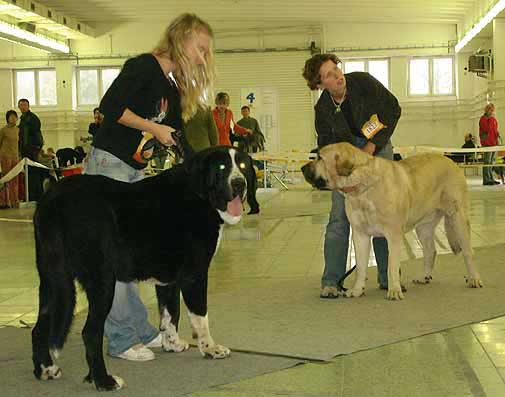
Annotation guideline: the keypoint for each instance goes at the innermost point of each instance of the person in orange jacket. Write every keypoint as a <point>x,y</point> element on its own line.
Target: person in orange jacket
<point>225,121</point>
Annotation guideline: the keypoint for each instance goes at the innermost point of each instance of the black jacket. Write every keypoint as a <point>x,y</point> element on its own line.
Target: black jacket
<point>29,130</point>
<point>367,96</point>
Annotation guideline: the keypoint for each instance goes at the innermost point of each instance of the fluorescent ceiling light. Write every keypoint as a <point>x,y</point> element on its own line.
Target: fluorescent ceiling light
<point>491,14</point>
<point>46,21</point>
<point>21,36</point>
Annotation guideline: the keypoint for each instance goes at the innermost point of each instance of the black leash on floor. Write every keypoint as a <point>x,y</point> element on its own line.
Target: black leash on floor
<point>342,279</point>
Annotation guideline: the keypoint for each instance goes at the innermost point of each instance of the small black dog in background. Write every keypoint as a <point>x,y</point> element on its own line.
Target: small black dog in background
<point>68,156</point>
<point>252,143</point>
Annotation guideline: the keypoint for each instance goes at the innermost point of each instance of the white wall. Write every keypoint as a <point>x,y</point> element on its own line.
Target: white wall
<point>424,121</point>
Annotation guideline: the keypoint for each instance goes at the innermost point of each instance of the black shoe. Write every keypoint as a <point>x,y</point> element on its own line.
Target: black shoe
<point>254,211</point>
<point>489,183</point>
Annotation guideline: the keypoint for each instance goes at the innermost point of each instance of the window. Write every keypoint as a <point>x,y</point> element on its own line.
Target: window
<point>88,87</point>
<point>442,76</point>
<point>38,86</point>
<point>419,73</point>
<point>93,83</point>
<point>354,66</point>
<point>431,76</point>
<point>378,68</point>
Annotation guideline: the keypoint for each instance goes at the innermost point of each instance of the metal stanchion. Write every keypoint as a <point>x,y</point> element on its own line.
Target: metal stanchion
<point>265,174</point>
<point>26,182</point>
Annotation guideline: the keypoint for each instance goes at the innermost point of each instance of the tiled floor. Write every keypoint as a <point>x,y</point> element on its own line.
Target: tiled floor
<point>285,241</point>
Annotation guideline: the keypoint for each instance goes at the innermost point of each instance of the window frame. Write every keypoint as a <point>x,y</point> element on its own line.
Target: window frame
<point>101,92</point>
<point>367,69</point>
<point>37,86</point>
<point>431,80</point>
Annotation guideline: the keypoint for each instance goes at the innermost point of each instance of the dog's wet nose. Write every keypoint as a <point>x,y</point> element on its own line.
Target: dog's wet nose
<point>311,177</point>
<point>238,186</point>
<point>307,172</point>
<point>320,183</point>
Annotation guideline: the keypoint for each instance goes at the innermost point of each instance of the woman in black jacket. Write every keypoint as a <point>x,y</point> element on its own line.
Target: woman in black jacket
<point>358,109</point>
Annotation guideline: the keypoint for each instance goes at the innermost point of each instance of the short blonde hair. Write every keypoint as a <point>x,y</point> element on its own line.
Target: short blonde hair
<point>195,81</point>
<point>489,108</point>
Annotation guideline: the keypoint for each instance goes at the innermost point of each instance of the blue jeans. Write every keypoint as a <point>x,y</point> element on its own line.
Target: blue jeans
<point>487,172</point>
<point>127,324</point>
<point>336,240</point>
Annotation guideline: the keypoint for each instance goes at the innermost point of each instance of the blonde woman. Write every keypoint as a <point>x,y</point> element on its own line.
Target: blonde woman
<point>151,97</point>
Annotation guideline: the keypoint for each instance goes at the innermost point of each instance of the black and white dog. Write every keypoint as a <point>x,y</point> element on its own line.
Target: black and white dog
<point>67,156</point>
<point>166,228</point>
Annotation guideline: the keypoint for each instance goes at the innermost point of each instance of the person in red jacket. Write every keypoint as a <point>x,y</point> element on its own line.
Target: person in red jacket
<point>224,120</point>
<point>489,135</point>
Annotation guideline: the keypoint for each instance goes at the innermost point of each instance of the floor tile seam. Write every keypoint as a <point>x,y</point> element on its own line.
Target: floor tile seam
<point>471,377</point>
<point>18,318</point>
<point>488,355</point>
<point>281,248</point>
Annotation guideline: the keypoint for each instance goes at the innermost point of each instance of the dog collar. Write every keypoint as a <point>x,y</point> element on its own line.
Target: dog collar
<point>354,189</point>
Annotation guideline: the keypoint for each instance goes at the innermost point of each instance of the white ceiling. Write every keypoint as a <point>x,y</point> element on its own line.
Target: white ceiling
<point>266,12</point>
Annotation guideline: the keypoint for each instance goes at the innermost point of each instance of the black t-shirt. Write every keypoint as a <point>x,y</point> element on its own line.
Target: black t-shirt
<point>140,86</point>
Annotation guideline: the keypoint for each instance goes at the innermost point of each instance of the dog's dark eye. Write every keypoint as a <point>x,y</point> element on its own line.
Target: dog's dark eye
<point>222,167</point>
<point>242,165</point>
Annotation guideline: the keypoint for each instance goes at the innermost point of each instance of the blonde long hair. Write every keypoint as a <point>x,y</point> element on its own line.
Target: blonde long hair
<point>195,81</point>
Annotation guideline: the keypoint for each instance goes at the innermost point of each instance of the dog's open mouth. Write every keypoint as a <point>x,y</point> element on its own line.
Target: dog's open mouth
<point>234,207</point>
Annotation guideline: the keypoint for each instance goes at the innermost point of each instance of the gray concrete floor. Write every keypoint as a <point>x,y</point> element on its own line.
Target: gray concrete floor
<point>465,361</point>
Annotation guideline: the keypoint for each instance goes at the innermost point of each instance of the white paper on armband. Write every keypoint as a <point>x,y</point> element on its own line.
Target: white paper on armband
<point>372,127</point>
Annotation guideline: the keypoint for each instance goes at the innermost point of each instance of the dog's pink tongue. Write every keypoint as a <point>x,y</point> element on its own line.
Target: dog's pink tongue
<point>234,207</point>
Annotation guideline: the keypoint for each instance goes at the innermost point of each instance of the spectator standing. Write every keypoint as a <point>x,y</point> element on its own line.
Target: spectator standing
<point>489,136</point>
<point>225,121</point>
<point>9,157</point>
<point>30,134</point>
<point>255,141</point>
<point>201,130</point>
<point>95,125</point>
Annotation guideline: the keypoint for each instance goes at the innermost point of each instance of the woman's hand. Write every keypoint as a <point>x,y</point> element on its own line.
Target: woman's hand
<point>369,148</point>
<point>163,134</point>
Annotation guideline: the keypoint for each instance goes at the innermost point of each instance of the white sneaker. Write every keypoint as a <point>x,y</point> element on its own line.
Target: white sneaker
<point>156,342</point>
<point>137,353</point>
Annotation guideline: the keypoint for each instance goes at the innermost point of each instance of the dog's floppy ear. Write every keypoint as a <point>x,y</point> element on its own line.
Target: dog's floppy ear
<point>365,176</point>
<point>344,167</point>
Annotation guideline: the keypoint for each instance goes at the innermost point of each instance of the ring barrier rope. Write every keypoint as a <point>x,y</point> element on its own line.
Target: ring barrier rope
<point>19,167</point>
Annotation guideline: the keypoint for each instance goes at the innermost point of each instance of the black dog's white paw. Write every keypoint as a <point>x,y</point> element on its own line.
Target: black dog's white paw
<point>51,372</point>
<point>176,345</point>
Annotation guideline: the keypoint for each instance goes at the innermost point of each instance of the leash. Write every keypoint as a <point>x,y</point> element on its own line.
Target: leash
<point>340,282</point>
<point>182,148</point>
